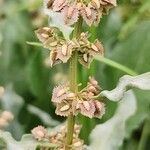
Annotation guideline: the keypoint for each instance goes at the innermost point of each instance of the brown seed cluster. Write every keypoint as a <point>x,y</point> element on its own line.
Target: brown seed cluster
<point>5,118</point>
<point>90,10</point>
<point>61,50</point>
<point>58,137</point>
<point>83,102</point>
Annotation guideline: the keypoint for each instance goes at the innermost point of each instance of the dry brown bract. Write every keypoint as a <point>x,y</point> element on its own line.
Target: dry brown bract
<point>61,50</point>
<point>39,133</point>
<point>91,12</point>
<point>58,137</point>
<point>82,102</point>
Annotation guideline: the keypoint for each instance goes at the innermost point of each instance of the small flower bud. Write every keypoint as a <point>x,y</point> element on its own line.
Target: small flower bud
<point>39,133</point>
<point>8,116</point>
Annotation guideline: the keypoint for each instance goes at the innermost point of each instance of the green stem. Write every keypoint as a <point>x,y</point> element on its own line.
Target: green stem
<point>145,135</point>
<point>116,65</point>
<point>73,86</point>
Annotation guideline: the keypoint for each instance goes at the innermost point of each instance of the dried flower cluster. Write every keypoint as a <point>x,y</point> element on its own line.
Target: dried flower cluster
<point>83,102</point>
<point>62,50</point>
<point>69,103</point>
<point>90,10</point>
<point>58,137</point>
<point>5,118</point>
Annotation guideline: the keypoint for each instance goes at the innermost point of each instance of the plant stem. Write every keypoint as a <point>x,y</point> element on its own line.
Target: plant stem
<point>73,86</point>
<point>116,65</point>
<point>145,135</point>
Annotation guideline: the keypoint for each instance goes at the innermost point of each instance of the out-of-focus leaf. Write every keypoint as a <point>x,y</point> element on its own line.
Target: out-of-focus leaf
<point>27,142</point>
<point>125,83</point>
<point>56,20</point>
<point>45,117</point>
<point>37,75</point>
<point>110,135</point>
<point>143,102</point>
<point>12,102</point>
<point>133,51</point>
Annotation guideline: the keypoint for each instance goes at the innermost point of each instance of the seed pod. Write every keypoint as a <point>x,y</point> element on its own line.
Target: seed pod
<point>39,133</point>
<point>86,105</point>
<point>96,3</point>
<point>65,108</point>
<point>87,108</point>
<point>61,92</point>
<point>71,14</point>
<point>77,144</point>
<point>88,11</point>
<point>85,57</point>
<point>71,95</point>
<point>59,5</point>
<point>94,47</point>
<point>64,49</point>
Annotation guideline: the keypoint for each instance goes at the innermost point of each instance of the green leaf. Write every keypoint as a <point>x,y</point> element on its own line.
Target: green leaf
<point>37,75</point>
<point>35,44</point>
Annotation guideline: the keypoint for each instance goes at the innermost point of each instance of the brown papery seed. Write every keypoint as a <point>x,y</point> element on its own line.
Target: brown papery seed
<point>44,35</point>
<point>88,11</point>
<point>46,28</point>
<point>61,92</point>
<point>70,11</point>
<point>64,49</point>
<point>86,105</point>
<point>53,43</point>
<point>85,57</point>
<point>97,2</point>
<point>64,108</point>
<point>77,144</point>
<point>94,47</point>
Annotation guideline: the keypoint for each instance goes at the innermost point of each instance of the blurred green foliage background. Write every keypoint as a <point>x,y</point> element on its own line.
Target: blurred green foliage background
<point>28,80</point>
